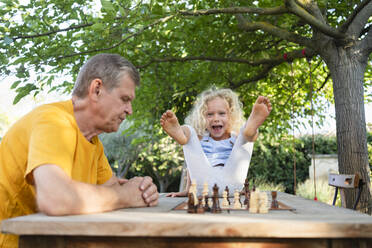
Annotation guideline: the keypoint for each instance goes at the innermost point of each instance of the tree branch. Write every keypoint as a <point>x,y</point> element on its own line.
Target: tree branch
<point>268,64</point>
<point>290,56</point>
<point>324,83</point>
<point>50,32</point>
<point>263,74</point>
<point>206,58</point>
<point>311,20</point>
<point>271,29</point>
<point>165,19</point>
<point>360,19</point>
<point>350,19</point>
<point>237,10</point>
<point>312,7</point>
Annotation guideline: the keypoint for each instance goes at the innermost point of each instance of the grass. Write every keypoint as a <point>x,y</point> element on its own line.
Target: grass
<point>263,185</point>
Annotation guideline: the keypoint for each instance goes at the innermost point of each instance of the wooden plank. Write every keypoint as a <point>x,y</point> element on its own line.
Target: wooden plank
<point>118,242</point>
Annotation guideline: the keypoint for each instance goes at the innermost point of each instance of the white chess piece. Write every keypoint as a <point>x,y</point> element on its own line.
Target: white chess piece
<point>225,203</point>
<point>263,205</point>
<point>237,204</point>
<point>253,202</point>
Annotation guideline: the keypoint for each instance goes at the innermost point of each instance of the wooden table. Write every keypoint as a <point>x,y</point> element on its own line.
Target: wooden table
<point>311,224</point>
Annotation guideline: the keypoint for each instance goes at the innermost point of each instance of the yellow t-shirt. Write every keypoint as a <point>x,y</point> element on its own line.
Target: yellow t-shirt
<point>47,135</point>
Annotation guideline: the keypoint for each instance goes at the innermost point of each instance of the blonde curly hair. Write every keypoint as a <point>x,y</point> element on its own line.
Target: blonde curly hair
<point>197,117</point>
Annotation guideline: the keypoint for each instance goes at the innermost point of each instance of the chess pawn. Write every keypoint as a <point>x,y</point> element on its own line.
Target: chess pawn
<point>237,204</point>
<point>225,203</point>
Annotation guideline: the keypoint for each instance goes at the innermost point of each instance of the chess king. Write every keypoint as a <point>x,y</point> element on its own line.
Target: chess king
<point>217,142</point>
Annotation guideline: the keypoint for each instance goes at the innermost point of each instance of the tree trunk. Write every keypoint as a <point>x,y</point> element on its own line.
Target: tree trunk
<point>347,70</point>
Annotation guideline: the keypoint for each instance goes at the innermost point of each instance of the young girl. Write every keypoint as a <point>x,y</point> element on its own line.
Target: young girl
<point>217,144</point>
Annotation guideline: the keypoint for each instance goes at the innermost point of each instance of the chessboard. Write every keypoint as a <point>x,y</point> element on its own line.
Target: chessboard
<point>252,200</point>
<point>280,206</point>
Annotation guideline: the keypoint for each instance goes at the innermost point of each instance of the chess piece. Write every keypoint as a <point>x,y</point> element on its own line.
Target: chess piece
<point>228,194</point>
<point>237,204</point>
<point>200,208</point>
<point>246,193</point>
<point>205,188</point>
<point>274,202</point>
<point>205,194</point>
<point>193,191</point>
<point>253,202</point>
<point>190,203</point>
<point>216,204</point>
<point>263,203</point>
<point>225,203</point>
<point>210,204</point>
<point>203,201</point>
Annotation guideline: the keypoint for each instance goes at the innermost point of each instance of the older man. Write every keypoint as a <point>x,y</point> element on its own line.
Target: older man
<point>52,161</point>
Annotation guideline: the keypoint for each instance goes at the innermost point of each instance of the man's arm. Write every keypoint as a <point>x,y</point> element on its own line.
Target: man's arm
<point>57,194</point>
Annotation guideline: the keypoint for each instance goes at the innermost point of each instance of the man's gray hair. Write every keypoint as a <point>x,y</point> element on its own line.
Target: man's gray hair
<point>110,68</point>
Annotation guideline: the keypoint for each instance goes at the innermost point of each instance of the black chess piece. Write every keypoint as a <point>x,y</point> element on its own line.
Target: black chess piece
<point>207,207</point>
<point>274,201</point>
<point>247,193</point>
<point>200,208</point>
<point>190,204</point>
<point>216,204</point>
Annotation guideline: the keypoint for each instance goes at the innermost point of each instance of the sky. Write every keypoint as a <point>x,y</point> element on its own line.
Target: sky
<point>14,112</point>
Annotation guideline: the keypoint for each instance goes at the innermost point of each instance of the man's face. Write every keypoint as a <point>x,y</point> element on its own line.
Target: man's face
<point>115,105</point>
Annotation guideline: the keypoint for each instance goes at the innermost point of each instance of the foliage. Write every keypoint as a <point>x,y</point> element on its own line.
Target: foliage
<point>120,151</point>
<point>272,161</point>
<point>178,56</point>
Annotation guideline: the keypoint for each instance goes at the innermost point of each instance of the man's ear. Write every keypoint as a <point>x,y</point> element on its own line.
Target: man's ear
<point>95,88</point>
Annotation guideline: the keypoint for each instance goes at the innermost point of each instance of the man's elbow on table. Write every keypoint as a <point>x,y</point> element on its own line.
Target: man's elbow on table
<point>54,191</point>
<point>54,207</point>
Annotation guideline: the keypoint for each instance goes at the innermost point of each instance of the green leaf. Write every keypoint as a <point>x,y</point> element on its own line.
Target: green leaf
<point>98,26</point>
<point>157,9</point>
<point>107,6</point>
<point>23,91</point>
<point>122,11</point>
<point>15,84</point>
